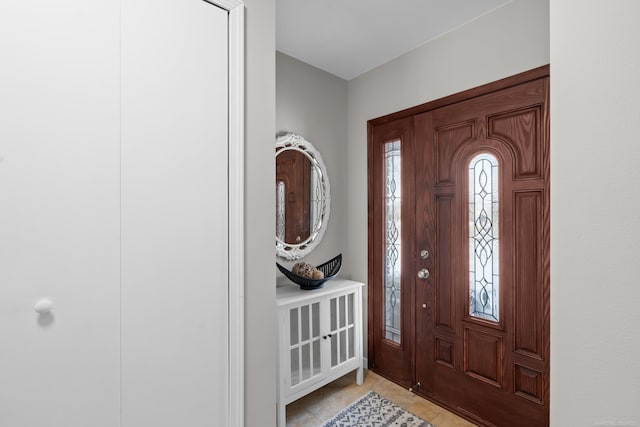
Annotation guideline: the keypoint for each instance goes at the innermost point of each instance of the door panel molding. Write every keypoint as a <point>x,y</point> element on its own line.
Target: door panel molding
<point>528,161</point>
<point>529,384</point>
<point>448,140</point>
<point>444,352</point>
<point>442,280</point>
<point>483,356</point>
<point>528,297</point>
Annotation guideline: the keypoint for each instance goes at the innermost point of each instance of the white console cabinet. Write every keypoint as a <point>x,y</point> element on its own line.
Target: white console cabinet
<point>319,338</point>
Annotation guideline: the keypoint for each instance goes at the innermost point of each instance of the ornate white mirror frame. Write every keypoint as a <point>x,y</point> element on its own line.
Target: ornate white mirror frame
<point>320,199</point>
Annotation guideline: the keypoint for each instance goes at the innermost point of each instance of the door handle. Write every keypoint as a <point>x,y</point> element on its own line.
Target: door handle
<point>423,274</point>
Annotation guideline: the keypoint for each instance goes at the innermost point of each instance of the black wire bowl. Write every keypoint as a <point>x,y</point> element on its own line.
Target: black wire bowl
<point>329,268</point>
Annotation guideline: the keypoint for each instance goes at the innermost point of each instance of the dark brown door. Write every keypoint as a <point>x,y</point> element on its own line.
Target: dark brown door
<point>474,273</point>
<point>482,213</point>
<point>391,239</point>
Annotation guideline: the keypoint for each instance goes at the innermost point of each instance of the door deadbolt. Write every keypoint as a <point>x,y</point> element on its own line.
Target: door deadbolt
<point>424,254</point>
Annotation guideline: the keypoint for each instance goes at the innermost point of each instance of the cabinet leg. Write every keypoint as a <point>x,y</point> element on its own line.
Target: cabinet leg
<point>360,376</point>
<point>282,415</point>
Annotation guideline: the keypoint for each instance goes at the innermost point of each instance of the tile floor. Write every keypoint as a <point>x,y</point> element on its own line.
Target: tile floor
<point>319,406</point>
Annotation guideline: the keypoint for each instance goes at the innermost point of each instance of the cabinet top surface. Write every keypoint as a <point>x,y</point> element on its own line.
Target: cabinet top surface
<point>290,293</point>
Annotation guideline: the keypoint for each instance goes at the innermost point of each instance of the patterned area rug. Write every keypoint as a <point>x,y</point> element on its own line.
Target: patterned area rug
<point>373,410</point>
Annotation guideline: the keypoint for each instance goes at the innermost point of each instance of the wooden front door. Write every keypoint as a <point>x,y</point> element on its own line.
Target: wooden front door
<point>479,271</point>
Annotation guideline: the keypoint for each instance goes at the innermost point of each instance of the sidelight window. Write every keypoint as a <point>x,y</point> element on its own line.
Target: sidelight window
<point>392,241</point>
<point>280,210</point>
<point>483,237</point>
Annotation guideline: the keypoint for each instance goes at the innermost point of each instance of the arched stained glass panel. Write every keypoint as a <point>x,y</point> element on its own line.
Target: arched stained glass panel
<point>483,238</point>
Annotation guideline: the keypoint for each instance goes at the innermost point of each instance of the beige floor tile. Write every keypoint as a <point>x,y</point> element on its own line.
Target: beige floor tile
<point>447,419</point>
<point>396,394</point>
<point>425,410</point>
<point>329,407</point>
<point>303,419</point>
<point>324,403</point>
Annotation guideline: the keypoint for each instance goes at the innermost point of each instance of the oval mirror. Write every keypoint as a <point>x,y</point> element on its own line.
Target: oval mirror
<point>302,197</point>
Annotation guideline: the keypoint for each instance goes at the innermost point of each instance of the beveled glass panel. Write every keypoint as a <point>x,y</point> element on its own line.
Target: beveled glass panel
<point>315,320</point>
<point>483,237</point>
<point>334,350</point>
<point>334,315</point>
<point>350,308</point>
<point>343,346</point>
<point>306,362</point>
<point>351,342</point>
<point>316,357</point>
<point>342,311</point>
<point>392,303</point>
<point>305,322</point>
<point>293,321</point>
<point>295,365</point>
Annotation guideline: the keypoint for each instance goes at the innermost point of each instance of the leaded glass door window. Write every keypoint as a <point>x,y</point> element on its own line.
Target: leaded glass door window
<point>483,237</point>
<point>392,248</point>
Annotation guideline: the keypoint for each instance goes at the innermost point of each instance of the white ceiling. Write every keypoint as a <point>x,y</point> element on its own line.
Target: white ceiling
<point>350,37</point>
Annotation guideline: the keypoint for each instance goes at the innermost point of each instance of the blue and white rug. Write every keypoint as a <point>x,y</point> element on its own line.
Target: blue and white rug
<point>373,410</point>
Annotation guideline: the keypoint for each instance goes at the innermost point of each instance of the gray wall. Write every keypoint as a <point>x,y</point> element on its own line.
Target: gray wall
<point>260,327</point>
<point>595,217</point>
<point>313,104</point>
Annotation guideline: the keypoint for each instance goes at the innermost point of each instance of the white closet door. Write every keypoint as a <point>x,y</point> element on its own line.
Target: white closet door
<point>59,213</point>
<point>174,214</point>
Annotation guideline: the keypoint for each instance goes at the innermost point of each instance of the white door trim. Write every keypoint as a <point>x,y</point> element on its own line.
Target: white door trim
<point>236,215</point>
<point>235,8</point>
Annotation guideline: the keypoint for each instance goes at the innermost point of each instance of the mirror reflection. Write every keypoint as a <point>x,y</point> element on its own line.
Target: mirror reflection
<point>302,196</point>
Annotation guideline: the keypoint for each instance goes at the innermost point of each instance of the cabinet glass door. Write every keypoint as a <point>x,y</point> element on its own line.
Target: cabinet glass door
<point>304,342</point>
<point>342,333</point>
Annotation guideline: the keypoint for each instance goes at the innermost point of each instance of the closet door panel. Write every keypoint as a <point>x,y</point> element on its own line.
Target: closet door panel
<point>59,213</point>
<point>174,214</point>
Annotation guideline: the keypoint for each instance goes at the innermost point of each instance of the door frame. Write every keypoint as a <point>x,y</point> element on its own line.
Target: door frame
<point>235,10</point>
<point>507,82</point>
